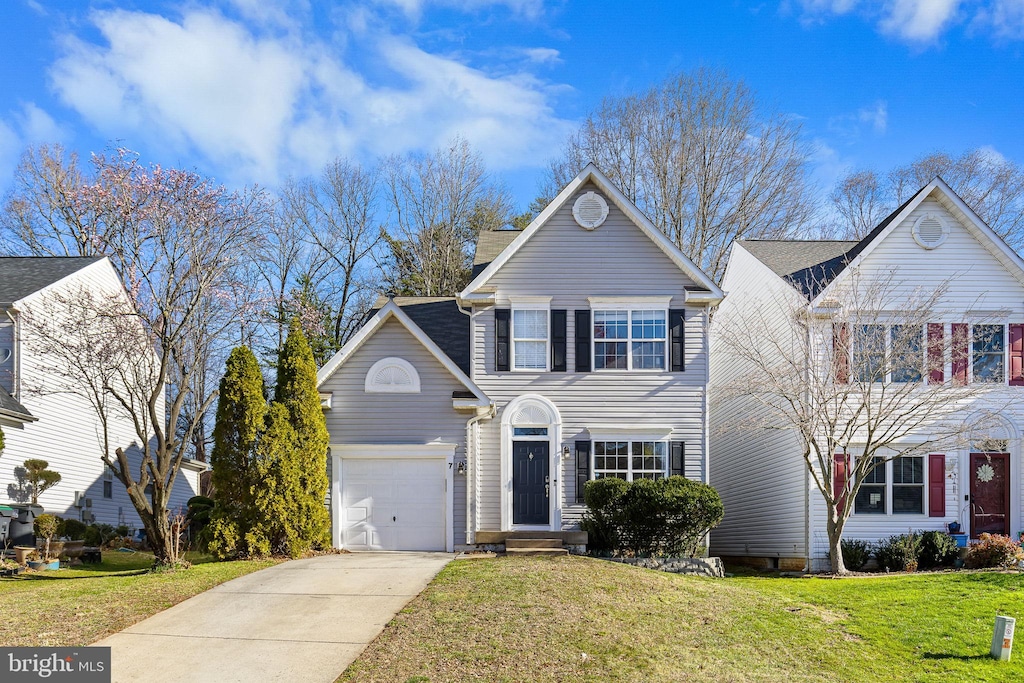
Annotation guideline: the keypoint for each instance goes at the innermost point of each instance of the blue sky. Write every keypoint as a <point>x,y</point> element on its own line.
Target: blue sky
<point>257,90</point>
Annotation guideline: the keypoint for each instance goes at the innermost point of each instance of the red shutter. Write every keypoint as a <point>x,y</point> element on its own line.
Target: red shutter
<point>1017,355</point>
<point>936,485</point>
<point>840,466</point>
<point>841,351</point>
<point>959,334</point>
<point>936,354</point>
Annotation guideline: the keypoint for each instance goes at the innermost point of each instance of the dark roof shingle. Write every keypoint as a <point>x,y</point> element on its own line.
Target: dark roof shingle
<point>24,275</point>
<point>11,406</point>
<point>440,319</point>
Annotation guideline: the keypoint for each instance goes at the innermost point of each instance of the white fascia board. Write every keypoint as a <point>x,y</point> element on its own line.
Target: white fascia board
<point>591,174</point>
<point>989,238</point>
<point>630,301</point>
<point>195,465</point>
<point>387,311</point>
<point>102,263</point>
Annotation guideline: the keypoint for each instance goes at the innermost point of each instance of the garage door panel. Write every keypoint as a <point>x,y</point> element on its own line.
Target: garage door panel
<point>394,504</point>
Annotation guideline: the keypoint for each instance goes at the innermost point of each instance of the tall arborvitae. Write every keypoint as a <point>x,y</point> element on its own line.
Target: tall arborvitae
<point>274,480</point>
<point>308,521</point>
<point>240,414</point>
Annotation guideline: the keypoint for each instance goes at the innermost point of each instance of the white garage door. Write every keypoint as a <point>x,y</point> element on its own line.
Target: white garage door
<point>393,504</point>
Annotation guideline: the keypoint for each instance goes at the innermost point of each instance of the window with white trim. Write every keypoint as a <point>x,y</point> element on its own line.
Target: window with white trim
<point>630,339</point>
<point>897,486</point>
<point>529,339</point>
<point>630,460</point>
<point>988,346</point>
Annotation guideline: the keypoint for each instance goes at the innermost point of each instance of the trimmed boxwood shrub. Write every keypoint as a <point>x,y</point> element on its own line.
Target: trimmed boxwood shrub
<point>72,529</point>
<point>938,549</point>
<point>855,554</point>
<point>664,517</point>
<point>993,550</point>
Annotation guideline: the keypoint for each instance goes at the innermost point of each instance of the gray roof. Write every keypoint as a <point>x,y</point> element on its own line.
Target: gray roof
<point>810,265</point>
<point>21,276</point>
<point>489,244</point>
<point>10,406</point>
<point>439,317</point>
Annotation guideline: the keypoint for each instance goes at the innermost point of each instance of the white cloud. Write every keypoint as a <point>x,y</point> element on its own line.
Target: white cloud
<point>23,127</point>
<point>874,117</point>
<point>543,55</point>
<point>1003,18</point>
<point>919,20</point>
<point>529,9</point>
<point>260,107</point>
<point>922,22</point>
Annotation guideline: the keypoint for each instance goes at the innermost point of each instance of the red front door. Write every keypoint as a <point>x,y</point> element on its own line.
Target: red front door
<point>990,494</point>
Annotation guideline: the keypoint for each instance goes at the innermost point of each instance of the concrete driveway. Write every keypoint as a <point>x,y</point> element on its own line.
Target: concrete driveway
<point>304,620</point>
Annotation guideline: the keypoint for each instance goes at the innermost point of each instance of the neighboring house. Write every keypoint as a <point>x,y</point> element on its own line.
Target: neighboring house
<point>579,350</point>
<point>41,421</point>
<point>775,514</point>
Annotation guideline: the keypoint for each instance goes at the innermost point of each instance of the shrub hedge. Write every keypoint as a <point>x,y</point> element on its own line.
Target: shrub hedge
<point>646,517</point>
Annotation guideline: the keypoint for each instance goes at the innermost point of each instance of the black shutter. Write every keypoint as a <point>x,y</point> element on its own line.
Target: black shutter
<point>678,459</point>
<point>582,468</point>
<point>676,339</point>
<point>501,331</point>
<point>558,341</point>
<point>583,340</point>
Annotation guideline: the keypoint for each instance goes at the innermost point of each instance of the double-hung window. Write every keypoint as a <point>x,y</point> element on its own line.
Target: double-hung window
<point>908,485</point>
<point>907,357</point>
<point>869,353</point>
<point>630,339</point>
<point>530,339</point>
<point>988,353</point>
<point>902,492</point>
<point>631,459</point>
<point>871,496</point>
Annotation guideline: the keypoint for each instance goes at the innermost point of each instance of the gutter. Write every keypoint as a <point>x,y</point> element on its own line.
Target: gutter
<point>807,474</point>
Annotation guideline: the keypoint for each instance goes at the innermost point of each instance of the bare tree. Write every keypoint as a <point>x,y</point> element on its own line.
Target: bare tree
<point>703,159</point>
<point>176,240</point>
<point>440,203</point>
<point>857,382</point>
<point>337,215</point>
<point>991,185</point>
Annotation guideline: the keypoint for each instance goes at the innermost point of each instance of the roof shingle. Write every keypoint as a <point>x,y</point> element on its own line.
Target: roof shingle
<point>21,276</point>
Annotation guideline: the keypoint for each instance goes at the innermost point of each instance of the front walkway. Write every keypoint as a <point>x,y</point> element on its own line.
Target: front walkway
<point>304,620</point>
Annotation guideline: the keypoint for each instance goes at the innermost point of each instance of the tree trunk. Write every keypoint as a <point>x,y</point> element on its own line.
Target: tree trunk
<point>835,540</point>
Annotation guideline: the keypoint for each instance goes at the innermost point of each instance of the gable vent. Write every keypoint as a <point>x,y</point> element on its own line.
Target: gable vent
<point>590,210</point>
<point>930,231</point>
<point>392,375</point>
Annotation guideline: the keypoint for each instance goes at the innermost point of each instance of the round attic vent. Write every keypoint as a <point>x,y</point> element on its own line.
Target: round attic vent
<point>590,210</point>
<point>930,231</point>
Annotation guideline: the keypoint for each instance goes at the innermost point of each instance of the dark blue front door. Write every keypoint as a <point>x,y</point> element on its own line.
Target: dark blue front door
<point>530,484</point>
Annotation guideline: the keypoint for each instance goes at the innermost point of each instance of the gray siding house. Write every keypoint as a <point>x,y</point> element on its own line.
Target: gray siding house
<point>579,350</point>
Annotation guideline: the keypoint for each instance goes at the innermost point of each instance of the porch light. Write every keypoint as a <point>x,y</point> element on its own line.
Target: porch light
<point>461,467</point>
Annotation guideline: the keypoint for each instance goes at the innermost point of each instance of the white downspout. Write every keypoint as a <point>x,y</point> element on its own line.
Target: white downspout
<point>471,471</point>
<point>808,560</point>
<point>471,441</point>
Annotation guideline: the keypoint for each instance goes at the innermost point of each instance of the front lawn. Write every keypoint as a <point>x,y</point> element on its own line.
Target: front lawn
<point>79,606</point>
<point>572,618</point>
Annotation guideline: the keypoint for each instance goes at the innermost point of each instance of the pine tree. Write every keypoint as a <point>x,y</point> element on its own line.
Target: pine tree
<point>307,520</point>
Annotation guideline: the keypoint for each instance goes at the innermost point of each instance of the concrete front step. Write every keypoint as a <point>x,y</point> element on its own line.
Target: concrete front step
<point>535,551</point>
<point>511,543</point>
<point>496,537</point>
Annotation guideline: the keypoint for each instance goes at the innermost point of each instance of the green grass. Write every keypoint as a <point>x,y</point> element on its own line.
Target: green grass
<point>79,606</point>
<point>534,619</point>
